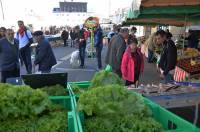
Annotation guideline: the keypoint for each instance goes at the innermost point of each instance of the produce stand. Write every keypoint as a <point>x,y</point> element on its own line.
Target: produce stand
<point>170,122</point>
<point>188,65</point>
<point>67,102</point>
<point>177,99</point>
<point>41,80</point>
<point>37,110</point>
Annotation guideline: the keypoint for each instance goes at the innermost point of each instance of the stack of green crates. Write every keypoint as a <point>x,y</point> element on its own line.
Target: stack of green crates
<point>68,103</point>
<point>170,122</point>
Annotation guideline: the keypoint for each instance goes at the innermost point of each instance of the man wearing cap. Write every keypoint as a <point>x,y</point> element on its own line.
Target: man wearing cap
<point>116,50</point>
<point>44,55</point>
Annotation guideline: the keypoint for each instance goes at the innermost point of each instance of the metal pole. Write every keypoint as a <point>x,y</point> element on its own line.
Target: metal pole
<point>2,9</point>
<point>185,31</point>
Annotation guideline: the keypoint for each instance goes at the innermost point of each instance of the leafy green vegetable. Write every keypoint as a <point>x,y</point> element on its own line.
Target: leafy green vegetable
<point>127,123</point>
<point>56,90</point>
<point>111,99</point>
<point>113,108</point>
<point>77,90</point>
<point>22,101</point>
<point>25,109</point>
<point>103,78</point>
<point>52,122</point>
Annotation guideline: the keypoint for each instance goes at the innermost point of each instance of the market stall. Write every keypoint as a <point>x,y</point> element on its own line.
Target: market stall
<point>181,100</point>
<point>188,65</point>
<point>103,97</point>
<point>178,99</point>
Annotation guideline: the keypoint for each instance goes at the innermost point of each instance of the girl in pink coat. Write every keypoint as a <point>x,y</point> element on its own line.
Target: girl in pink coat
<point>132,63</point>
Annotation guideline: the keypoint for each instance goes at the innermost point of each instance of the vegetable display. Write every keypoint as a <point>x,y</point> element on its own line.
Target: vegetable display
<point>56,90</point>
<point>103,78</point>
<point>113,108</point>
<point>185,64</point>
<point>25,109</point>
<point>78,90</point>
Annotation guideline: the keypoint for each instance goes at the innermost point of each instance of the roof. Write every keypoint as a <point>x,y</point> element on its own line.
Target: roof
<point>156,21</point>
<point>155,3</point>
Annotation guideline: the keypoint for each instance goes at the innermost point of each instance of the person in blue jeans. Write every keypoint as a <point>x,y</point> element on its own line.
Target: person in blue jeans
<point>98,44</point>
<point>82,47</point>
<point>25,39</point>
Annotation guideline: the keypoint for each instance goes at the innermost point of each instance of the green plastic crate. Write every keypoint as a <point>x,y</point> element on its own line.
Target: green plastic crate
<point>68,103</point>
<point>108,68</point>
<point>170,121</point>
<point>82,85</point>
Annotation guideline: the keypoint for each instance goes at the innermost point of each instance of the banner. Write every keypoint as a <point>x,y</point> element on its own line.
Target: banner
<point>91,22</point>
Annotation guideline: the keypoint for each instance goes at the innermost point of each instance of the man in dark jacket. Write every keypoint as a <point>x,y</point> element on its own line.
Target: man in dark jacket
<point>73,37</point>
<point>168,57</point>
<point>193,41</point>
<point>44,55</point>
<point>9,53</point>
<point>98,44</point>
<point>116,49</point>
<point>65,36</point>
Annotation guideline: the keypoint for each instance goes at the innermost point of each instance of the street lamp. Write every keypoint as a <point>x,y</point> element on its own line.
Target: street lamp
<point>2,9</point>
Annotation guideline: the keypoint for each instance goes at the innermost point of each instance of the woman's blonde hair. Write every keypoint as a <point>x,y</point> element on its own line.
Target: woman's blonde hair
<point>150,40</point>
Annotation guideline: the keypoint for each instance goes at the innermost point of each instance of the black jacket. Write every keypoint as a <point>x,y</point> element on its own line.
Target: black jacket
<point>9,55</point>
<point>192,41</point>
<point>168,57</point>
<point>72,35</point>
<point>65,34</point>
<point>44,56</point>
<point>81,36</point>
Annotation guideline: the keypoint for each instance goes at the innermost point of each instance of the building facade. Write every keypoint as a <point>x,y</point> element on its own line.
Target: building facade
<point>71,13</point>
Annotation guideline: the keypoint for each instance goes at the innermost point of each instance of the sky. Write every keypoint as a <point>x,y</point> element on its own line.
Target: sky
<point>19,9</point>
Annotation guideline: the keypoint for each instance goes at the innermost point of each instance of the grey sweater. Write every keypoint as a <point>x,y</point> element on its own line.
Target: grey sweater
<point>115,52</point>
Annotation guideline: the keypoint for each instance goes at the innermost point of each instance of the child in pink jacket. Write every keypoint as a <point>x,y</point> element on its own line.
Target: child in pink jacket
<point>132,63</point>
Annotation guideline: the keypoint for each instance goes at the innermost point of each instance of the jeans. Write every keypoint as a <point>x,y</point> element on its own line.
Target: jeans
<point>65,42</point>
<point>9,74</point>
<point>25,56</point>
<point>150,56</point>
<point>72,43</point>
<point>98,54</point>
<point>167,79</point>
<point>82,54</point>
